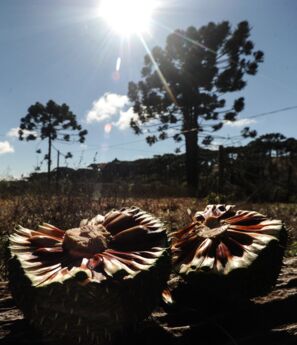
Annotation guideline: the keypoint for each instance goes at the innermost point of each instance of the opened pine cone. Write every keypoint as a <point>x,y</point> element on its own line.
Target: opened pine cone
<point>224,253</point>
<point>91,283</point>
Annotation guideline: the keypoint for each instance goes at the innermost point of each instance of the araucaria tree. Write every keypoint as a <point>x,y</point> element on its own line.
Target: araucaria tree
<point>51,122</point>
<point>185,85</point>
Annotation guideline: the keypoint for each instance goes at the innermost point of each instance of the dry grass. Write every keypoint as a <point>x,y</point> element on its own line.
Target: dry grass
<point>66,212</point>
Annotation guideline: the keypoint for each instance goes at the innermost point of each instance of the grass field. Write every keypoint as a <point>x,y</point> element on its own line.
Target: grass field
<point>67,211</point>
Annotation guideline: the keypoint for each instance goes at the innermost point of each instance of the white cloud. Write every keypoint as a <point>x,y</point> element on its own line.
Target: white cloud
<point>124,119</point>
<point>107,106</point>
<point>5,147</point>
<point>14,132</point>
<point>240,122</point>
<point>112,107</point>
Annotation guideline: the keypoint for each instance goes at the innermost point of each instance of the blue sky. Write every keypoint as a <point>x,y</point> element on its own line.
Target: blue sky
<point>62,50</point>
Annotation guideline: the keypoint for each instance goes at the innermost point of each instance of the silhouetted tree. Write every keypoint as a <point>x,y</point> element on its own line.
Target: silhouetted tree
<point>51,122</point>
<point>185,84</point>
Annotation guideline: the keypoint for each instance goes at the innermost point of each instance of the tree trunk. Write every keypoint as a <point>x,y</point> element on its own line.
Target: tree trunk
<point>191,140</point>
<point>49,161</point>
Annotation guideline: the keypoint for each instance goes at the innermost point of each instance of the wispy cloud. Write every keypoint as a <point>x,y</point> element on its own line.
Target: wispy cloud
<point>14,132</point>
<point>5,147</point>
<point>240,122</point>
<point>106,107</point>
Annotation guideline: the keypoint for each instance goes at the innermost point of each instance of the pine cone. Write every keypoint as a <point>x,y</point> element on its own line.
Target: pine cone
<point>91,283</point>
<point>224,254</point>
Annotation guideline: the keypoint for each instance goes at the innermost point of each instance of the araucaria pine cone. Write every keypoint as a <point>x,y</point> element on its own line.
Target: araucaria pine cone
<point>224,253</point>
<point>90,283</point>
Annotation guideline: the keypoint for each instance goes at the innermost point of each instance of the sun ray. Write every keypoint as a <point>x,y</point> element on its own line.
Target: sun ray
<point>161,76</point>
<point>194,42</point>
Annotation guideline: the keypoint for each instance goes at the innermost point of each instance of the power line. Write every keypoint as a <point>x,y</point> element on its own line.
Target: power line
<point>280,110</point>
<point>107,147</point>
<point>273,112</point>
<point>119,145</point>
<point>187,131</point>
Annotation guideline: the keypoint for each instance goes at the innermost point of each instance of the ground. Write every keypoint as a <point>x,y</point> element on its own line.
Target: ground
<point>269,319</point>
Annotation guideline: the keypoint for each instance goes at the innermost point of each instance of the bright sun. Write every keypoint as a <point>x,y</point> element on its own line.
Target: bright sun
<point>127,16</point>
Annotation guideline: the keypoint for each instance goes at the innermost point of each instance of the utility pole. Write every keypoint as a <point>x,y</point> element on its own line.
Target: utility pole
<point>221,162</point>
<point>49,157</point>
<point>58,166</point>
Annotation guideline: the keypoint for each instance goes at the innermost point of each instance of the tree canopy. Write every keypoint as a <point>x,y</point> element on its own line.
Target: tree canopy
<point>184,86</point>
<point>51,122</point>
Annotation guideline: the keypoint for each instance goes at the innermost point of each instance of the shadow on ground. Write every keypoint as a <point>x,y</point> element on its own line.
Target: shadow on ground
<point>269,319</point>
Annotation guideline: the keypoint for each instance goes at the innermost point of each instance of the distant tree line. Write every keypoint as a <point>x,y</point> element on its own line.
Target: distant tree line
<point>263,170</point>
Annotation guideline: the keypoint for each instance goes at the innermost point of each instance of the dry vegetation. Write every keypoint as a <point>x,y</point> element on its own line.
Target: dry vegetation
<point>67,211</point>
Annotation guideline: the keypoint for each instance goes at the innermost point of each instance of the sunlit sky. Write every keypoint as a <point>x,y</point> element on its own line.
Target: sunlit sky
<point>62,50</point>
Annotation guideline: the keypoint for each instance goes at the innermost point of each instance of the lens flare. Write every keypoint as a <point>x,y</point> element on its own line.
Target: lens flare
<point>118,64</point>
<point>108,128</point>
<point>116,75</point>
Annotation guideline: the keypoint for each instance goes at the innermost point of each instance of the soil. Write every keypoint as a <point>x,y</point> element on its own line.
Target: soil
<point>270,319</point>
